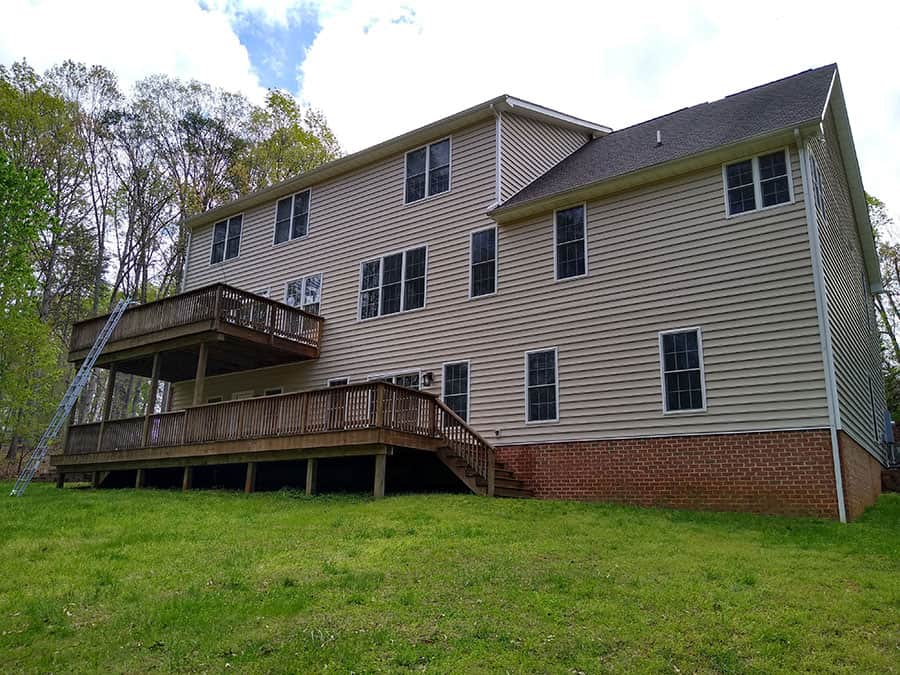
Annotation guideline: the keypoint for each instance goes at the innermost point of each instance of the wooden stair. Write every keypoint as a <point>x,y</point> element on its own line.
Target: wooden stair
<point>505,482</point>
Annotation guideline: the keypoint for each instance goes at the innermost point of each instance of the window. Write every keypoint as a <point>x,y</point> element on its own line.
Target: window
<point>305,293</point>
<point>408,380</point>
<point>392,283</point>
<point>214,399</point>
<point>541,386</point>
<point>764,180</point>
<point>241,395</point>
<point>226,239</point>
<point>455,388</point>
<point>338,381</point>
<point>428,171</point>
<point>274,391</point>
<point>571,253</point>
<point>681,363</point>
<point>483,261</point>
<point>292,217</point>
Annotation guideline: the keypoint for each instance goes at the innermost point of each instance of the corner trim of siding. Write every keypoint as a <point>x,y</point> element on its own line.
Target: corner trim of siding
<point>498,155</point>
<point>187,256</point>
<point>815,247</point>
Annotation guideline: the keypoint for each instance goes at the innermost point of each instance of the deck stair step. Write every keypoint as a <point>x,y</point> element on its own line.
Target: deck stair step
<point>505,482</point>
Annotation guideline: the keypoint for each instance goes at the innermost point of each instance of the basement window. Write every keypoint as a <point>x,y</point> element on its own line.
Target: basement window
<point>758,182</point>
<point>455,388</point>
<point>292,217</point>
<point>428,171</point>
<point>393,283</point>
<point>226,239</point>
<point>541,386</point>
<point>681,366</point>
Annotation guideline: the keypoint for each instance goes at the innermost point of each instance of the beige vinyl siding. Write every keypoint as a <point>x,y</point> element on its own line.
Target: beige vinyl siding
<point>530,148</point>
<point>660,257</point>
<point>854,339</point>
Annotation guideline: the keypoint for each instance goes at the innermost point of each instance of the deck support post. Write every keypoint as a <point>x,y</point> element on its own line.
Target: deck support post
<point>107,404</point>
<point>60,479</point>
<point>95,479</point>
<point>380,470</point>
<point>250,480</point>
<point>312,474</point>
<point>139,479</point>
<point>187,479</point>
<point>200,378</point>
<point>151,398</point>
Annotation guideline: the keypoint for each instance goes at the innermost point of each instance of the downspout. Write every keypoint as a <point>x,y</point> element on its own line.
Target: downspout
<point>498,158</point>
<point>815,246</point>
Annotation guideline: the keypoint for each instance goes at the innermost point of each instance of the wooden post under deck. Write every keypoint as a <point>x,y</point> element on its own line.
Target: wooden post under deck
<point>107,403</point>
<point>95,479</point>
<point>250,481</point>
<point>140,478</point>
<point>312,471</point>
<point>380,470</point>
<point>187,479</point>
<point>60,479</point>
<point>151,400</point>
<point>200,378</point>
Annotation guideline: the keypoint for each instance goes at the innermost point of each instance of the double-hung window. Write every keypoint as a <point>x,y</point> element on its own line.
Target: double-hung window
<point>541,386</point>
<point>305,293</point>
<point>292,217</point>
<point>226,239</point>
<point>759,182</point>
<point>393,283</point>
<point>483,261</point>
<point>681,363</point>
<point>570,242</point>
<point>455,388</point>
<point>428,171</point>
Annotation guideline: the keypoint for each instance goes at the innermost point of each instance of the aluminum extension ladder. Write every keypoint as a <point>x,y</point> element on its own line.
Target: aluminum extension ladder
<point>69,399</point>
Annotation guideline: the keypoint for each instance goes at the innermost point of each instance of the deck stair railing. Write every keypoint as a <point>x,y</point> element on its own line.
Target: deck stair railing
<point>371,405</point>
<point>67,403</point>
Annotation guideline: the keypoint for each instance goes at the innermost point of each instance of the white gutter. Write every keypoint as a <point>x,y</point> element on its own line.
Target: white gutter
<point>815,247</point>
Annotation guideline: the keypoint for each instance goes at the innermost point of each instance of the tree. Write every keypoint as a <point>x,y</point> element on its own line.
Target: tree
<point>887,303</point>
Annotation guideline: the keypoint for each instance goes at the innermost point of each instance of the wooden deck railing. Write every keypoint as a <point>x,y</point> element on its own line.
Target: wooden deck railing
<point>216,302</point>
<point>373,405</point>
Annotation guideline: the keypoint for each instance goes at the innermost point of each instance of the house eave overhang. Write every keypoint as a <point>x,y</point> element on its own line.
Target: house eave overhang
<point>651,174</point>
<point>394,146</point>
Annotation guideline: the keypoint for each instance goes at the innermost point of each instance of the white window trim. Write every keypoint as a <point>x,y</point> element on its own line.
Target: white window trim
<point>468,385</point>
<point>302,278</point>
<point>328,382</point>
<point>587,268</point>
<point>496,261</point>
<point>308,218</point>
<point>276,391</point>
<point>427,168</point>
<point>757,184</point>
<point>213,240</point>
<point>662,370</point>
<point>380,258</point>
<point>555,350</point>
<point>243,395</point>
<point>395,373</point>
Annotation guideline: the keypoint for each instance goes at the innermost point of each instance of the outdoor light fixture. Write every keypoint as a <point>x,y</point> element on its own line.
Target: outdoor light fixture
<point>427,379</point>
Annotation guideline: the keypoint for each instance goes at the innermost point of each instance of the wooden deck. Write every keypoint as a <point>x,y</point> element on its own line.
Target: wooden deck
<point>358,419</point>
<point>241,330</point>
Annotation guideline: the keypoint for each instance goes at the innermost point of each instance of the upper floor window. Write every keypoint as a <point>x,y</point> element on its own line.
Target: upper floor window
<point>570,243</point>
<point>305,293</point>
<point>758,182</point>
<point>483,257</point>
<point>455,388</point>
<point>681,362</point>
<point>226,239</point>
<point>541,386</point>
<point>292,217</point>
<point>428,171</point>
<point>392,283</point>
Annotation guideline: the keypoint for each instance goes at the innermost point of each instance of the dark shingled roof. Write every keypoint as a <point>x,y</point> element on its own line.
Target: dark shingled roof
<point>772,107</point>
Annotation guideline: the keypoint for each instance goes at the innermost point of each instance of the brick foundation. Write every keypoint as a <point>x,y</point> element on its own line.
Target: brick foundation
<point>861,475</point>
<point>789,472</point>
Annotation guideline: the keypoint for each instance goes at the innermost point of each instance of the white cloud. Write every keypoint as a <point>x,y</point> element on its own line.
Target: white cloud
<point>379,69</point>
<point>134,39</point>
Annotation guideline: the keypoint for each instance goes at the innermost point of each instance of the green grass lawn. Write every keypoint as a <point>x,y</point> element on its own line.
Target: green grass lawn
<point>133,581</point>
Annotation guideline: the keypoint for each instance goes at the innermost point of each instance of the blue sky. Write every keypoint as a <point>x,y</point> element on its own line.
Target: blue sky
<point>377,68</point>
